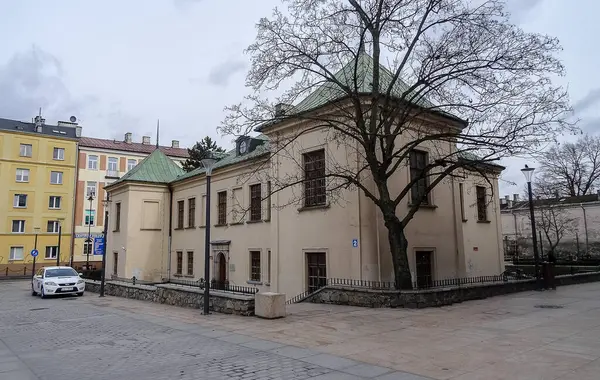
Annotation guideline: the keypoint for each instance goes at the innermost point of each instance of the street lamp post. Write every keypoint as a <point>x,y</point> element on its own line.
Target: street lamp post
<point>528,172</point>
<point>105,233</point>
<point>60,220</point>
<point>208,164</point>
<point>89,239</point>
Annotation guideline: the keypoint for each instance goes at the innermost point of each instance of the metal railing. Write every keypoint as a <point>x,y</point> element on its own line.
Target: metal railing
<point>133,280</point>
<point>225,287</point>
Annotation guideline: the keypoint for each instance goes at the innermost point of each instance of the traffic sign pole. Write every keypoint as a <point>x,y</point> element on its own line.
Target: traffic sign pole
<point>34,253</point>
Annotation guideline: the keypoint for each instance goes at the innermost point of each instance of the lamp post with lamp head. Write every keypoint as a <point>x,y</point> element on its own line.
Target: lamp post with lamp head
<point>90,246</point>
<point>528,173</point>
<point>208,164</point>
<point>106,203</point>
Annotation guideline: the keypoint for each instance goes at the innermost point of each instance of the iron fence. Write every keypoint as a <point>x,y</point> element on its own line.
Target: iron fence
<point>222,286</point>
<point>133,280</point>
<point>424,282</point>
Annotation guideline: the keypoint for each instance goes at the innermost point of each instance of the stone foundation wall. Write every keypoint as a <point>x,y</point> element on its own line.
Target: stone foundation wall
<point>221,302</point>
<point>341,295</point>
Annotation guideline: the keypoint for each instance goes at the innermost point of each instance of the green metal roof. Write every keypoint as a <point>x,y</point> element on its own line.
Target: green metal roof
<point>155,168</point>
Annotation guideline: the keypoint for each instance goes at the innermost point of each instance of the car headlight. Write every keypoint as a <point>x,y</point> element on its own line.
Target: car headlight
<point>80,281</point>
<point>50,283</point>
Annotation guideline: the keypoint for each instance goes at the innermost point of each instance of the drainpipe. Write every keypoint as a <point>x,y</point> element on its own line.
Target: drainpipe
<point>170,232</point>
<point>378,245</point>
<point>586,229</point>
<point>72,245</point>
<point>360,241</point>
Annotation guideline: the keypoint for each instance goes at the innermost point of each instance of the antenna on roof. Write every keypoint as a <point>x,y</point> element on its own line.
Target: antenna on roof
<point>157,131</point>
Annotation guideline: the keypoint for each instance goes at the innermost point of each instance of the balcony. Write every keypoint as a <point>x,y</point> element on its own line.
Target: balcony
<point>112,174</point>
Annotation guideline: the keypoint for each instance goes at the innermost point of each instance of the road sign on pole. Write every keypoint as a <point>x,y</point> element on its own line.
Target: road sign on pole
<point>354,243</point>
<point>34,253</point>
<point>98,246</point>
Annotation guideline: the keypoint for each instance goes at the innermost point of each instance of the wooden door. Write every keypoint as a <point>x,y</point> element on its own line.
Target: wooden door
<point>222,268</point>
<point>316,270</point>
<point>424,265</point>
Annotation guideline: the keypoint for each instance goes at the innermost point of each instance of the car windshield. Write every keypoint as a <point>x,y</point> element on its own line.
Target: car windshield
<point>61,272</point>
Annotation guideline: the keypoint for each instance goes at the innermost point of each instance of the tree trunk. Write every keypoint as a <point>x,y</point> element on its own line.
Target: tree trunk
<point>398,247</point>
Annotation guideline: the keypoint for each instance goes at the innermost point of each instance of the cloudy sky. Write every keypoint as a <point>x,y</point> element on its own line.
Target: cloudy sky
<point>121,65</point>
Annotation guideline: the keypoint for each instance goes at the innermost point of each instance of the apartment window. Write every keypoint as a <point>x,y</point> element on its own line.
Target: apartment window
<point>51,252</point>
<point>190,263</point>
<point>18,226</point>
<point>20,201</point>
<point>222,208</point>
<point>314,178</point>
<point>180,208</point>
<point>481,204</point>
<point>25,150</point>
<point>269,266</point>
<point>418,163</point>
<point>461,193</point>
<point>113,164</point>
<point>22,175</point>
<point>117,217</point>
<point>92,162</point>
<point>191,212</point>
<point>56,178</point>
<point>115,262</point>
<point>15,253</point>
<point>88,248</point>
<point>255,202</point>
<point>53,226</point>
<point>255,266</point>
<point>54,202</point>
<point>90,217</point>
<point>268,200</point>
<point>179,269</point>
<point>58,154</point>
<point>90,189</point>
<point>131,164</point>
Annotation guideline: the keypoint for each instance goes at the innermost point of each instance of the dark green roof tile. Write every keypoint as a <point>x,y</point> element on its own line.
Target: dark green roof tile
<point>155,168</point>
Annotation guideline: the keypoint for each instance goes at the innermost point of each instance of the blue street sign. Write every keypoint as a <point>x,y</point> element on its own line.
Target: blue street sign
<point>354,243</point>
<point>98,246</point>
<point>34,253</point>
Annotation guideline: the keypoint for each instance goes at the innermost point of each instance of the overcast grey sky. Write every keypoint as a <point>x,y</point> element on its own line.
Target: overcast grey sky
<point>120,65</point>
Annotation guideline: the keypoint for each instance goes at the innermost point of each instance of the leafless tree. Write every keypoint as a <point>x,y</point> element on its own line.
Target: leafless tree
<point>396,75</point>
<point>571,169</point>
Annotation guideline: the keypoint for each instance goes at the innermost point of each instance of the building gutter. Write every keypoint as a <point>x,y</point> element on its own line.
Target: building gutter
<point>170,238</point>
<point>72,245</point>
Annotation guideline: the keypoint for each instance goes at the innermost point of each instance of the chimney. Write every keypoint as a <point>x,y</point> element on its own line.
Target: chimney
<point>128,137</point>
<point>516,197</point>
<point>282,109</point>
<point>146,140</point>
<point>507,197</point>
<point>174,143</point>
<point>78,130</point>
<point>39,123</point>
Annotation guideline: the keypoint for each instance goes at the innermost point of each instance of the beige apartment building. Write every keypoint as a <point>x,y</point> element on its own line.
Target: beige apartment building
<point>101,162</point>
<point>290,244</point>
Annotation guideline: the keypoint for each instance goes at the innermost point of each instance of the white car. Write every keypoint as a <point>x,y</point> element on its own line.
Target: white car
<point>52,281</point>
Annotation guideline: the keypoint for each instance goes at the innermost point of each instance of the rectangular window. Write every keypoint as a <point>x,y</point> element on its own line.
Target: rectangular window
<point>255,266</point>
<point>192,212</point>
<point>255,202</point>
<point>22,175</point>
<point>190,263</point>
<point>56,178</point>
<point>54,202</point>
<point>222,208</point>
<point>90,189</point>
<point>314,178</point>
<point>90,217</point>
<point>18,226</point>
<point>179,269</point>
<point>117,217</point>
<point>51,252</point>
<point>131,164</point>
<point>16,253</point>
<point>88,248</point>
<point>58,154</point>
<point>180,216</point>
<point>269,266</point>
<point>481,204</point>
<point>268,200</point>
<point>92,162</point>
<point>20,201</point>
<point>113,164</point>
<point>418,164</point>
<point>52,226</point>
<point>461,193</point>
<point>203,211</point>
<point>25,150</point>
<point>115,263</point>
<point>237,212</point>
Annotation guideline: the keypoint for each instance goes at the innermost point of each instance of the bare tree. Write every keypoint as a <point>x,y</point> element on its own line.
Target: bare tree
<point>555,222</point>
<point>571,169</point>
<point>383,78</point>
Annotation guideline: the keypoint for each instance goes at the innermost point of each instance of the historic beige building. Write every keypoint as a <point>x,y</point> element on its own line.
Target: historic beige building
<point>296,238</point>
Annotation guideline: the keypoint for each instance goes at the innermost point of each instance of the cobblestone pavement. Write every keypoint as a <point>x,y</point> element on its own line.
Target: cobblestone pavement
<point>93,338</point>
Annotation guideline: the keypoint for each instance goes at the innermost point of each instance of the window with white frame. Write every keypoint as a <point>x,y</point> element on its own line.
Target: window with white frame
<point>56,178</point>
<point>22,175</point>
<point>90,216</point>
<point>54,202</point>
<point>51,252</point>
<point>113,164</point>
<point>92,162</point>
<point>20,201</point>
<point>16,253</point>
<point>53,226</point>
<point>26,150</point>
<point>131,164</point>
<point>91,189</point>
<point>18,226</point>
<point>58,154</point>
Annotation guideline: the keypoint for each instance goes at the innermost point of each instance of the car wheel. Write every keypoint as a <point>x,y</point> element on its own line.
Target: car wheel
<point>79,294</point>
<point>33,292</point>
<point>43,293</point>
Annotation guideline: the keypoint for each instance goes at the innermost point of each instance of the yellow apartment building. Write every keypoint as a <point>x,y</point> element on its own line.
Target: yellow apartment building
<point>101,162</point>
<point>38,168</point>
